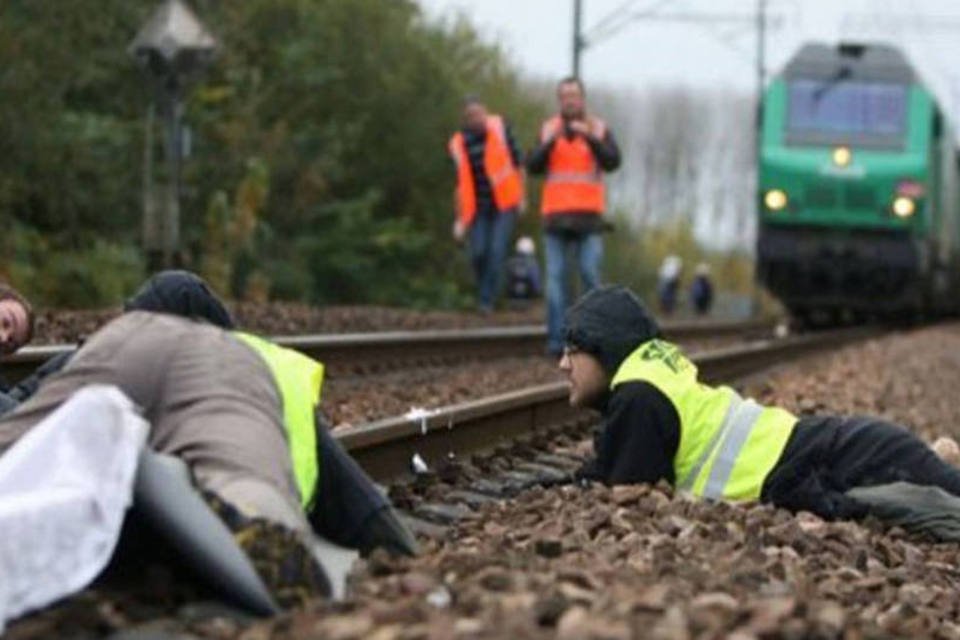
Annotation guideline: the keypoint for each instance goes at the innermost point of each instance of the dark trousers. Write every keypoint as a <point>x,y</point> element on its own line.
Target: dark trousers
<point>490,235</point>
<point>563,251</point>
<point>828,456</point>
<point>346,497</point>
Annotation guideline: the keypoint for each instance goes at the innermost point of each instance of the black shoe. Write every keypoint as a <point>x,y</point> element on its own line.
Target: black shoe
<point>384,529</point>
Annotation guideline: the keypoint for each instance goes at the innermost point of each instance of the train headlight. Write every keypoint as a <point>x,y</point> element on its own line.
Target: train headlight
<point>842,156</point>
<point>775,199</point>
<point>904,207</point>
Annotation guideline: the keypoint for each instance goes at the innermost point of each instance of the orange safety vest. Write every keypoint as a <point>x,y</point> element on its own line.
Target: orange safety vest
<point>574,182</point>
<point>504,177</point>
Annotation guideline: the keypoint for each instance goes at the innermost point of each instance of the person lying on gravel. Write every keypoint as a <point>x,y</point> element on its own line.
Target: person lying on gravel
<point>181,293</point>
<point>16,329</point>
<point>352,499</point>
<point>661,423</point>
<point>241,413</point>
<point>16,320</point>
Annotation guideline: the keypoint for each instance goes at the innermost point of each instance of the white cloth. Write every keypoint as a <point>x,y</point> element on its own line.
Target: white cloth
<point>64,489</point>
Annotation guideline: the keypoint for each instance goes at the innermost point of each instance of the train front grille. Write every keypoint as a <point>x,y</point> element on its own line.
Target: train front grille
<point>820,196</point>
<point>860,197</point>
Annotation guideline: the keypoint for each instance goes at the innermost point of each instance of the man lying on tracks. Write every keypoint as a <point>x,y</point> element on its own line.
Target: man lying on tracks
<point>241,413</point>
<point>660,422</point>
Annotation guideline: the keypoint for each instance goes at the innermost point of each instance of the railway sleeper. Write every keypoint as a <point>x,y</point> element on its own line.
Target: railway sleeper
<point>444,514</point>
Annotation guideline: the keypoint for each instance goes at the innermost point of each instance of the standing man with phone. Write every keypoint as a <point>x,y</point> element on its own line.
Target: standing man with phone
<point>575,149</point>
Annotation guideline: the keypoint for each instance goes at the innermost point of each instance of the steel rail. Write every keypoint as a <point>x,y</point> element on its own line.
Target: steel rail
<point>384,448</point>
<point>362,352</point>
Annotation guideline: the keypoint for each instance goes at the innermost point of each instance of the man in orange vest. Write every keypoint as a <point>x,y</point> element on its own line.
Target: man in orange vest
<point>575,149</point>
<point>488,195</point>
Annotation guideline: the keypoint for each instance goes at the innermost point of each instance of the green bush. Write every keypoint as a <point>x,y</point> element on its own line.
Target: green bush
<point>102,275</point>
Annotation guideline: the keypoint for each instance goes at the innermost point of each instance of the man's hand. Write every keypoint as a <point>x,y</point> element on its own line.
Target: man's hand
<point>948,450</point>
<point>459,231</point>
<point>589,128</point>
<point>580,127</point>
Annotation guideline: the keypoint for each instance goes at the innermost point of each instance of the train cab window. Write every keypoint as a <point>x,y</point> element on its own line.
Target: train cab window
<point>831,111</point>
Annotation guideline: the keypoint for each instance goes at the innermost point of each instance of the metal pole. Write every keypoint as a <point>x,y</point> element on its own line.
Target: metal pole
<point>171,215</point>
<point>761,47</point>
<point>177,182</point>
<point>577,36</point>
<point>758,128</point>
<point>761,74</point>
<point>150,231</point>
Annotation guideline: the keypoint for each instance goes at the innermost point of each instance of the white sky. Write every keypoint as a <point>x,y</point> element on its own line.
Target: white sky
<point>537,34</point>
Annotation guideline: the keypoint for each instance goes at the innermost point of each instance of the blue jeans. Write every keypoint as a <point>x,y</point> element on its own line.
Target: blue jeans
<point>588,250</point>
<point>490,236</point>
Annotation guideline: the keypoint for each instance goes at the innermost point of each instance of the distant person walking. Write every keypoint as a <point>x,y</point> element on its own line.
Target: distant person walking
<point>488,195</point>
<point>668,283</point>
<point>701,290</point>
<point>575,149</point>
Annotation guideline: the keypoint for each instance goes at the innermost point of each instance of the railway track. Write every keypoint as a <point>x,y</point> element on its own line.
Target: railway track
<point>513,435</point>
<point>363,353</point>
<point>500,446</point>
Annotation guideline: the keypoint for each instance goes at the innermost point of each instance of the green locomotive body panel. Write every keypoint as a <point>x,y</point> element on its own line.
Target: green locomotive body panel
<point>857,195</point>
<point>857,186</point>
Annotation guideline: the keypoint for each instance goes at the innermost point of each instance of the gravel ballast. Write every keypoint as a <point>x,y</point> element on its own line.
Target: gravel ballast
<point>642,562</point>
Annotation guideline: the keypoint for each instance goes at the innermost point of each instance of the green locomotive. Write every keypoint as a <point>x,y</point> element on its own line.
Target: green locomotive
<point>858,187</point>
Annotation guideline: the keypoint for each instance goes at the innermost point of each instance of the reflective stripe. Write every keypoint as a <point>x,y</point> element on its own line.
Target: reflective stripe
<point>736,428</point>
<point>570,177</point>
<point>728,445</point>
<point>691,479</point>
<point>502,175</point>
<point>737,424</point>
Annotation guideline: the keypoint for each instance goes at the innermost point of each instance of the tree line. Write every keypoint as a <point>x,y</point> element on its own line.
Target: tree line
<point>318,168</point>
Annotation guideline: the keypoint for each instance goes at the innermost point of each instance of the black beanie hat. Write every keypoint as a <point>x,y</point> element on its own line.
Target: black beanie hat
<point>180,293</point>
<point>610,323</point>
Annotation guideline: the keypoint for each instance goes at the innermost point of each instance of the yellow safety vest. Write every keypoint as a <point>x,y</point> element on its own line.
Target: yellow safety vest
<point>299,380</point>
<point>728,445</point>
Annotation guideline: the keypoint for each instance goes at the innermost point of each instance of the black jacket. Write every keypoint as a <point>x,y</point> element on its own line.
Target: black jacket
<point>637,439</point>
<point>23,390</point>
<point>6,403</point>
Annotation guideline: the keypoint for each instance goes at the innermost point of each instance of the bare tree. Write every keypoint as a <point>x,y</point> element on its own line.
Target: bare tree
<point>687,155</point>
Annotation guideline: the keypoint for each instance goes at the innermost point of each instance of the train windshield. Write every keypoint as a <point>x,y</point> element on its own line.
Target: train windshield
<point>843,111</point>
